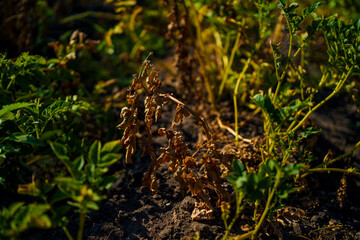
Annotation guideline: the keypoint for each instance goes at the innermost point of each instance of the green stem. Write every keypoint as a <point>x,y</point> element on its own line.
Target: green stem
<point>280,79</point>
<point>81,225</point>
<point>257,202</point>
<point>291,38</point>
<point>346,171</point>
<point>345,154</point>
<point>333,160</point>
<point>244,236</point>
<point>323,79</point>
<point>293,122</point>
<point>336,90</point>
<point>68,235</point>
<point>197,26</point>
<point>83,15</point>
<point>203,60</point>
<point>228,66</point>
<point>236,92</point>
<point>239,198</point>
<point>267,206</point>
<point>37,102</point>
<point>64,228</point>
<point>301,76</point>
<point>253,233</point>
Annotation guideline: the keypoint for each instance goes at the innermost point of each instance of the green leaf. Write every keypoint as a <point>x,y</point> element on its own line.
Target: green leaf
<point>111,147</point>
<point>295,106</point>
<point>94,153</point>
<point>31,216</point>
<point>12,107</point>
<point>7,116</point>
<point>357,25</point>
<point>292,169</point>
<point>238,172</point>
<point>60,151</point>
<point>48,134</point>
<point>14,207</point>
<point>77,165</point>
<point>109,159</point>
<point>308,131</point>
<point>283,2</point>
<point>291,8</point>
<point>239,168</point>
<point>264,102</point>
<point>306,11</point>
<point>60,107</point>
<point>92,206</point>
<point>57,197</point>
<point>107,181</point>
<point>270,167</point>
<point>19,137</point>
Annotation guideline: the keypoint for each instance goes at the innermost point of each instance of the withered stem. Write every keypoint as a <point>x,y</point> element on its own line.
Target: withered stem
<point>198,118</point>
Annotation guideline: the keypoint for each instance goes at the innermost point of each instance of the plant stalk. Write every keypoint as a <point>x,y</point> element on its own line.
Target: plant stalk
<point>236,92</point>
<point>349,171</point>
<point>345,154</point>
<point>267,206</point>
<point>228,66</point>
<point>81,225</point>
<point>239,198</point>
<point>337,89</point>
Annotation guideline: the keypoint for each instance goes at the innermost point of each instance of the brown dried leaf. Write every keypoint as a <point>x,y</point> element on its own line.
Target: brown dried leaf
<point>194,184</point>
<point>126,137</point>
<point>130,149</point>
<point>154,184</point>
<point>127,116</point>
<point>202,212</point>
<point>181,112</point>
<point>164,158</point>
<point>158,113</point>
<point>136,83</point>
<point>162,131</point>
<point>189,162</point>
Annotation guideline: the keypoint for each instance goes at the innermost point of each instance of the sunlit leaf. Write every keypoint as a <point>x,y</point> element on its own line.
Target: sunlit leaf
<point>94,152</point>
<point>25,138</point>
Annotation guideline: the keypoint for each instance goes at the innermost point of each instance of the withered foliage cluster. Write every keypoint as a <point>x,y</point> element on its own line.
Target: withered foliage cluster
<point>200,172</point>
<point>190,84</point>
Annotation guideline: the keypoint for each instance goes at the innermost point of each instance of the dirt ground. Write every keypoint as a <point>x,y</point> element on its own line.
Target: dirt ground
<point>327,207</point>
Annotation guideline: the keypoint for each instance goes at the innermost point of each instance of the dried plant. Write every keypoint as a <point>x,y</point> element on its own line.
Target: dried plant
<point>200,175</point>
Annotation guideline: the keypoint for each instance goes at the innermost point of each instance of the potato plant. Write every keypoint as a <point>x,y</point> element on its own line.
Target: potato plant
<point>39,131</point>
<point>276,58</point>
<point>286,105</point>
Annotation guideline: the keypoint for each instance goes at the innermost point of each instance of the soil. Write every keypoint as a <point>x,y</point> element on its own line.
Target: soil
<point>327,207</point>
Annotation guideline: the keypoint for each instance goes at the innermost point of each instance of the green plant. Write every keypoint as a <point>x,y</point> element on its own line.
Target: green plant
<point>42,105</point>
<point>253,53</point>
<point>284,121</point>
<point>81,187</point>
<point>18,218</point>
<point>270,180</point>
<point>287,103</point>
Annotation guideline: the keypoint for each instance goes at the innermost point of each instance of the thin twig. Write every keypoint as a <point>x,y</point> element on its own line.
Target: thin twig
<point>199,118</point>
<point>230,130</point>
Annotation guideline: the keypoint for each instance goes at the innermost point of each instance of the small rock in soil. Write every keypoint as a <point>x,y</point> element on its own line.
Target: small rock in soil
<point>188,204</point>
<point>297,228</point>
<point>201,228</point>
<point>166,232</point>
